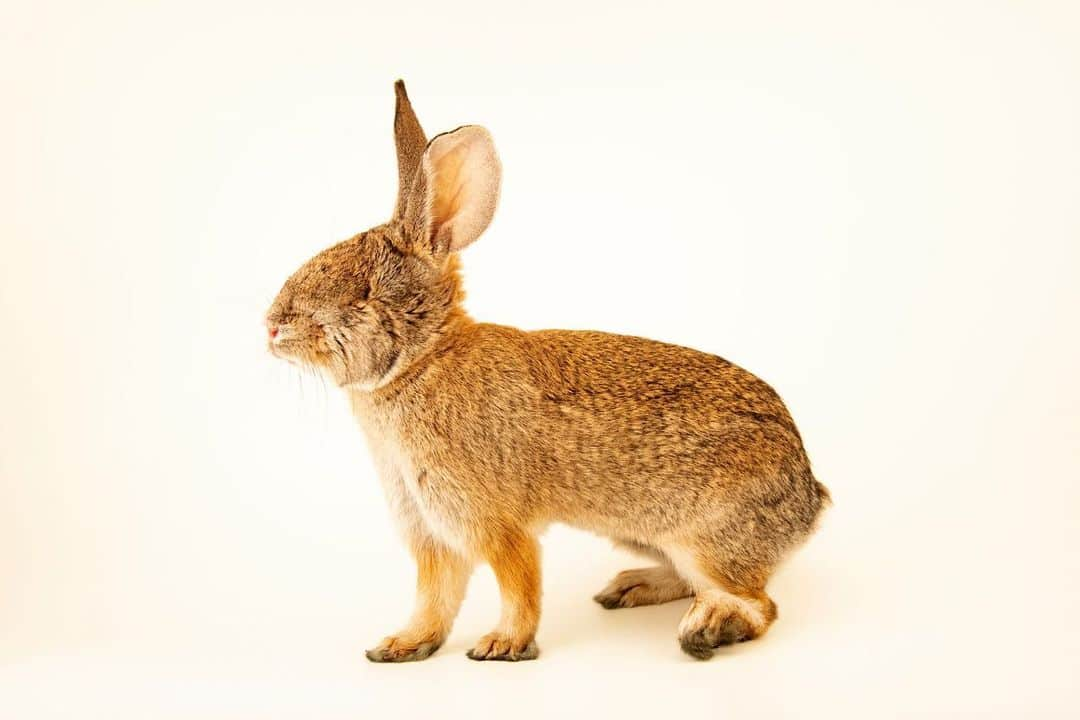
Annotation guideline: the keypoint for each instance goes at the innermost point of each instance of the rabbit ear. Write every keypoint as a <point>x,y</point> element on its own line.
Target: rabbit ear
<point>410,141</point>
<point>455,191</point>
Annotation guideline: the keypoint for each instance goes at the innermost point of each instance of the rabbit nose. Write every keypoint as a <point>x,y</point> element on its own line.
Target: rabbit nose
<point>272,330</point>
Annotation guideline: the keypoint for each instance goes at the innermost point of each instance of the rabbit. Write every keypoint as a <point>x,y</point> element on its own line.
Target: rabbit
<point>483,435</point>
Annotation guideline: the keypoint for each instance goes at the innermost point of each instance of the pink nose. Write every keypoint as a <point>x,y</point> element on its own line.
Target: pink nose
<point>273,330</point>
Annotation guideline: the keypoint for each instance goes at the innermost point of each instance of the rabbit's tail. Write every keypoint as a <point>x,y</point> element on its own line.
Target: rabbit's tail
<point>801,502</point>
<point>823,494</point>
<point>820,500</point>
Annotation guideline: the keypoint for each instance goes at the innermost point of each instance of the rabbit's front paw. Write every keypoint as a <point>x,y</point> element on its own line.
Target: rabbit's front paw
<point>404,648</point>
<point>496,646</point>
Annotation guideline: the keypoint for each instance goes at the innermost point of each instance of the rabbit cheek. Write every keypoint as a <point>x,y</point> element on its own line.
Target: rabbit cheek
<point>384,356</point>
<point>365,361</point>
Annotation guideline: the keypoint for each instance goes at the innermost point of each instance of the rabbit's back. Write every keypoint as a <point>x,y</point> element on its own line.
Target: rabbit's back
<point>670,435</point>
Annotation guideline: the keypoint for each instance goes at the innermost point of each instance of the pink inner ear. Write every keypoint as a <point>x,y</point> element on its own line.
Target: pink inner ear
<point>464,173</point>
<point>449,184</point>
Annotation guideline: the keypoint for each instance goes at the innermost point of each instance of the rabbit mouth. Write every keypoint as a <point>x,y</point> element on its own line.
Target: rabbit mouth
<point>295,352</point>
<point>281,347</point>
<point>282,343</point>
<point>278,352</point>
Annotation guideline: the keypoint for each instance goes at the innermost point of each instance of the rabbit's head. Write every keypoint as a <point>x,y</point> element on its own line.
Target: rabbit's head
<point>364,309</point>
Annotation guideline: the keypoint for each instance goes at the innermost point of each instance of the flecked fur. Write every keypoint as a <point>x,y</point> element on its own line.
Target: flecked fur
<point>483,435</point>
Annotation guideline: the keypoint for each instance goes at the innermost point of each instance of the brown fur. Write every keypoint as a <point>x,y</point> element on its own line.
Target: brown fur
<point>485,434</point>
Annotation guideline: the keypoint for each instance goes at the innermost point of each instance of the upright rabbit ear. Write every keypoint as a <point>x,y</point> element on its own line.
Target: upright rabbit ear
<point>410,141</point>
<point>455,191</point>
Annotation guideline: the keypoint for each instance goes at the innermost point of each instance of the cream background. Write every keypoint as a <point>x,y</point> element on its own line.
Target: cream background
<point>871,205</point>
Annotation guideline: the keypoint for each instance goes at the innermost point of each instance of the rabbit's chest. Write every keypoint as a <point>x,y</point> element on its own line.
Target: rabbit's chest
<point>422,502</point>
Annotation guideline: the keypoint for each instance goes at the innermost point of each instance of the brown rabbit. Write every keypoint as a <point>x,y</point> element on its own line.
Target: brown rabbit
<point>483,434</point>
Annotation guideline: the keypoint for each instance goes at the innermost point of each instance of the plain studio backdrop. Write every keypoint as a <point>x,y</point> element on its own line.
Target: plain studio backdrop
<point>873,206</point>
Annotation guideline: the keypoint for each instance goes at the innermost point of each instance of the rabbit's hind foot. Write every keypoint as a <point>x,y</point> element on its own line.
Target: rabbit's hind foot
<point>643,586</point>
<point>723,612</point>
<point>717,618</point>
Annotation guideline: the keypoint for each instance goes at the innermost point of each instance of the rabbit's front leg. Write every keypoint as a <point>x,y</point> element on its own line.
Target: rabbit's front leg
<point>441,577</point>
<point>514,555</point>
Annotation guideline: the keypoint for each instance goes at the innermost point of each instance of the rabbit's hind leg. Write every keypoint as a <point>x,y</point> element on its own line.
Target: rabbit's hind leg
<point>643,586</point>
<point>725,610</point>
